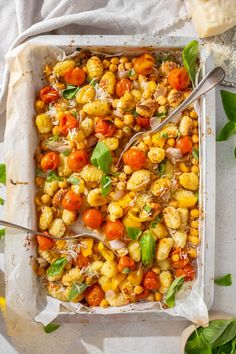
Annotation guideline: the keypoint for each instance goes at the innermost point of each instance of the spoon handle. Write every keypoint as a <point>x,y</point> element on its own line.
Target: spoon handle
<point>18,227</point>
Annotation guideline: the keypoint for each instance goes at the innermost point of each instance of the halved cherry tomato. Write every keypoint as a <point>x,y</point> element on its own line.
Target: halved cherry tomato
<point>75,76</point>
<point>122,86</point>
<point>77,160</point>
<point>143,65</point>
<point>68,122</point>
<point>181,263</point>
<point>114,230</point>
<point>188,271</point>
<point>143,295</point>
<point>94,295</point>
<point>105,127</point>
<point>45,243</point>
<point>72,201</point>
<point>92,218</point>
<point>81,261</point>
<point>185,145</point>
<point>125,265</point>
<point>48,94</point>
<point>134,158</point>
<point>179,79</point>
<point>50,161</point>
<point>144,122</point>
<point>151,280</point>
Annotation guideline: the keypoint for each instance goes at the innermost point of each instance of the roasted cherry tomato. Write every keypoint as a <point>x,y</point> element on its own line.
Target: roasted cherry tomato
<point>179,79</point>
<point>122,86</point>
<point>77,160</point>
<point>144,122</point>
<point>114,230</point>
<point>181,263</point>
<point>45,243</point>
<point>72,201</point>
<point>75,76</point>
<point>48,94</point>
<point>134,158</point>
<point>143,65</point>
<point>143,295</point>
<point>94,295</point>
<point>185,145</point>
<point>50,161</point>
<point>81,261</point>
<point>68,122</point>
<point>125,265</point>
<point>92,218</point>
<point>151,280</point>
<point>188,271</point>
<point>105,127</point>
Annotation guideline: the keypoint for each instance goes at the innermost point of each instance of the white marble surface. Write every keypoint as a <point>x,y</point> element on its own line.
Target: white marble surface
<point>146,335</point>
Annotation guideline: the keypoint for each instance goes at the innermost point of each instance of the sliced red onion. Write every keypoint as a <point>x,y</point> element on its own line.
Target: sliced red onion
<point>110,294</point>
<point>116,244</point>
<point>173,154</point>
<point>91,141</point>
<point>118,113</point>
<point>160,91</point>
<point>118,195</point>
<point>122,74</point>
<point>136,84</point>
<point>154,122</point>
<point>177,118</point>
<point>57,146</point>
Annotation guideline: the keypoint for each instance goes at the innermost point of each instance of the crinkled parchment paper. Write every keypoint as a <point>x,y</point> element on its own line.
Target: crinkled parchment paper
<point>23,295</point>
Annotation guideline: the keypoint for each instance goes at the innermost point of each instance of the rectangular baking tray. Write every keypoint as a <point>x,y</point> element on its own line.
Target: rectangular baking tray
<point>135,45</point>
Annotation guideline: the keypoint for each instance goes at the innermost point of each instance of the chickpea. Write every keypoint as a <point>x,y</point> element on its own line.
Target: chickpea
<point>115,60</point>
<point>127,131</point>
<point>121,67</point>
<point>195,169</point>
<point>161,100</point>
<point>193,114</point>
<point>194,213</point>
<point>119,123</point>
<point>105,63</point>
<point>113,68</point>
<point>56,131</point>
<point>129,66</point>
<point>147,140</point>
<point>137,128</point>
<point>39,181</point>
<point>195,139</point>
<point>194,224</point>
<point>158,296</point>
<point>124,60</point>
<point>45,198</point>
<point>128,170</point>
<point>171,142</point>
<point>128,119</point>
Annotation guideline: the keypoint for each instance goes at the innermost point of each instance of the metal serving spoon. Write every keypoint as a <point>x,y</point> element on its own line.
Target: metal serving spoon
<point>212,79</point>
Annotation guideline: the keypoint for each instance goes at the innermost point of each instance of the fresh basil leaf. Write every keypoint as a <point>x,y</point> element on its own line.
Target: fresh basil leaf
<point>164,135</point>
<point>174,288</point>
<point>105,185</point>
<point>2,233</point>
<point>235,152</point>
<point>135,113</point>
<point>57,266</point>
<point>148,246</point>
<point>226,280</point>
<point>233,344</point>
<point>155,221</point>
<point>53,138</point>
<point>189,56</point>
<point>76,290</point>
<point>75,114</point>
<point>164,57</point>
<point>73,179</point>
<point>197,345</point>
<point>161,115</point>
<point>133,232</point>
<point>131,72</point>
<point>52,176</point>
<point>220,332</point>
<point>229,103</point>
<point>228,129</point>
<point>224,349</point>
<point>2,201</point>
<point>195,153</point>
<point>125,270</point>
<point>2,173</point>
<point>51,327</point>
<point>101,157</point>
<point>67,152</point>
<point>92,82</point>
<point>40,173</point>
<point>70,92</point>
<point>161,168</point>
<point>147,208</point>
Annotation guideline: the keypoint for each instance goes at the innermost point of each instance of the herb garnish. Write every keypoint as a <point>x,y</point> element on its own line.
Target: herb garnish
<point>226,280</point>
<point>70,92</point>
<point>101,157</point>
<point>105,185</point>
<point>133,232</point>
<point>189,56</point>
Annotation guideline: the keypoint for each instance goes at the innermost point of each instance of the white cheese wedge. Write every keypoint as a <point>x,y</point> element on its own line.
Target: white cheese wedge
<point>212,17</point>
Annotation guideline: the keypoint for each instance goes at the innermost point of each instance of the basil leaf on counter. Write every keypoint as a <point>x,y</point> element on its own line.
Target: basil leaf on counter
<point>148,246</point>
<point>189,56</point>
<point>2,233</point>
<point>133,232</point>
<point>52,176</point>
<point>51,327</point>
<point>105,185</point>
<point>174,288</point>
<point>229,103</point>
<point>73,179</point>
<point>228,129</point>
<point>2,201</point>
<point>76,290</point>
<point>197,345</point>
<point>101,157</point>
<point>219,332</point>
<point>226,280</point>
<point>70,92</point>
<point>235,152</point>
<point>2,173</point>
<point>57,266</point>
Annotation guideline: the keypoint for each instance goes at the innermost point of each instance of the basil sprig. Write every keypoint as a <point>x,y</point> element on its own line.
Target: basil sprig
<point>57,266</point>
<point>229,103</point>
<point>70,92</point>
<point>174,288</point>
<point>101,157</point>
<point>105,185</point>
<point>226,280</point>
<point>195,153</point>
<point>76,290</point>
<point>189,56</point>
<point>52,176</point>
<point>133,232</point>
<point>148,246</point>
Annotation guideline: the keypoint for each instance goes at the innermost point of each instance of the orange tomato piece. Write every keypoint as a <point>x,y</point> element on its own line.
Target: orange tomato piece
<point>122,86</point>
<point>144,122</point>
<point>92,218</point>
<point>68,122</point>
<point>94,295</point>
<point>72,201</point>
<point>181,263</point>
<point>144,294</point>
<point>50,161</point>
<point>77,160</point>
<point>114,230</point>
<point>179,79</point>
<point>151,280</point>
<point>188,271</point>
<point>45,243</point>
<point>125,265</point>
<point>48,94</point>
<point>81,261</point>
<point>143,65</point>
<point>185,145</point>
<point>75,76</point>
<point>134,158</point>
<point>105,127</point>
